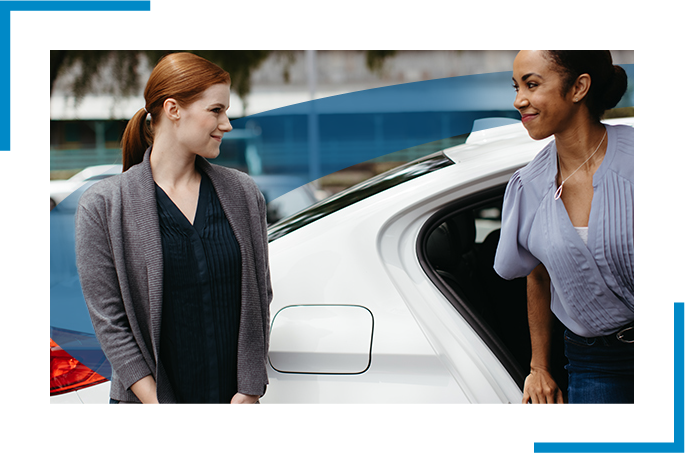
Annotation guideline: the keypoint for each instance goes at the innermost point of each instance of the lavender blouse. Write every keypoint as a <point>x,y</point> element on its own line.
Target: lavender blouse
<point>591,285</point>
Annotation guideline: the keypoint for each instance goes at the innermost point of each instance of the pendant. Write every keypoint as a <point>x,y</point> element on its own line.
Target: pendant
<point>557,194</point>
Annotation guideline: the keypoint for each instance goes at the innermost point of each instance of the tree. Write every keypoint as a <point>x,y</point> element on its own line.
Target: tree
<point>125,67</point>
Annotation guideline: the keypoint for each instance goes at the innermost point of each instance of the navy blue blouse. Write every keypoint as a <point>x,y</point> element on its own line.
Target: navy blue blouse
<point>592,285</point>
<point>201,299</point>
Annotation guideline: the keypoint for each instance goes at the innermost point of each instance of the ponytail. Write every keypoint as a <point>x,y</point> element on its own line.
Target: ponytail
<point>136,139</point>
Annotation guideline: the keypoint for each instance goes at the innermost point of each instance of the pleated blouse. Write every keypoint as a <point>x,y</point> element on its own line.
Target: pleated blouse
<point>591,285</point>
<point>201,299</point>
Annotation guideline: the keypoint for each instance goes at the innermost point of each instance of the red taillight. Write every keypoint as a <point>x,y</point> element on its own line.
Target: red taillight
<point>68,374</point>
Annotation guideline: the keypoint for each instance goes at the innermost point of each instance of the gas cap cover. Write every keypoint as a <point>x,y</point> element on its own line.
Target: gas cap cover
<point>321,339</point>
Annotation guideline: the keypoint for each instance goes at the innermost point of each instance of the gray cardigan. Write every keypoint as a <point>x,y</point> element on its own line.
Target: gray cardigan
<point>119,260</point>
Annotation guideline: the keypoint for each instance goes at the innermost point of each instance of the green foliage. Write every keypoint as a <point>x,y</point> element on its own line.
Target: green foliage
<point>124,65</point>
<point>239,63</point>
<point>87,66</point>
<point>376,58</point>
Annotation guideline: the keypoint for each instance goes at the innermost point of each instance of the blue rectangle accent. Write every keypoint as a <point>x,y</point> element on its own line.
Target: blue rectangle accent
<point>123,5</point>
<point>640,447</point>
<point>5,101</point>
<point>5,23</point>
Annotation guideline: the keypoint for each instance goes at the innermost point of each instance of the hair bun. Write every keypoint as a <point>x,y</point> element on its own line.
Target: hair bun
<point>615,88</point>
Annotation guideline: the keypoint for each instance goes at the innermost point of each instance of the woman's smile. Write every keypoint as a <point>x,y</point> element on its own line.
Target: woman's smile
<point>526,117</point>
<point>206,115</point>
<point>544,107</point>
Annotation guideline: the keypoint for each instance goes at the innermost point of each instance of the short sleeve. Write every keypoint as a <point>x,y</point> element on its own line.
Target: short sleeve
<point>513,259</point>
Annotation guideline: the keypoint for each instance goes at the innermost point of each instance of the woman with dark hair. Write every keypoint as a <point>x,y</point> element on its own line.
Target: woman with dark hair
<point>568,225</point>
<point>172,253</point>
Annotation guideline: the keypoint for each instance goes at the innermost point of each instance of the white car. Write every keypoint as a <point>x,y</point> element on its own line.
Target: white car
<point>61,188</point>
<point>385,292</point>
<point>284,194</point>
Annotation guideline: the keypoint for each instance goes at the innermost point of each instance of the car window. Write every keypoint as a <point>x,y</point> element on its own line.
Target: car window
<point>360,192</point>
<point>457,249</point>
<point>288,204</point>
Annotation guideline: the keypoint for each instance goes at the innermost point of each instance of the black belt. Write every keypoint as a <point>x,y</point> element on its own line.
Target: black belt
<point>626,334</point>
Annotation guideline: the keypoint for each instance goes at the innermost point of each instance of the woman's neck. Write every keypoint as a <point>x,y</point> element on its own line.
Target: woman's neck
<point>576,143</point>
<point>171,166</point>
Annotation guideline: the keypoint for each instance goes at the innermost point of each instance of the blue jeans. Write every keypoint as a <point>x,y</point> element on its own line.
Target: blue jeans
<point>600,370</point>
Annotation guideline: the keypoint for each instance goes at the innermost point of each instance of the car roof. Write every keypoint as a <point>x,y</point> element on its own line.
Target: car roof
<point>510,141</point>
<point>361,191</point>
<point>495,149</point>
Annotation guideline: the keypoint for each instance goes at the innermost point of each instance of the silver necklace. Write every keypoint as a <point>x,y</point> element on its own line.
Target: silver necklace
<point>557,194</point>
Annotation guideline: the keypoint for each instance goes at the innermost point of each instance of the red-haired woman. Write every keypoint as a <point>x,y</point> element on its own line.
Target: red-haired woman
<point>172,253</point>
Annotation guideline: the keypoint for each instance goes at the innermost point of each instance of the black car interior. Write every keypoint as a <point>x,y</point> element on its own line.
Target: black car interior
<point>461,265</point>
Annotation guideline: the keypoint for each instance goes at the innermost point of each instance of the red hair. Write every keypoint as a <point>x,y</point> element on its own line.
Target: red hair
<point>182,76</point>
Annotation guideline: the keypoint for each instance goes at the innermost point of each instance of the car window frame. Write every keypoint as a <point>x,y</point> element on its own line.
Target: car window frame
<point>477,323</point>
<point>359,192</point>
